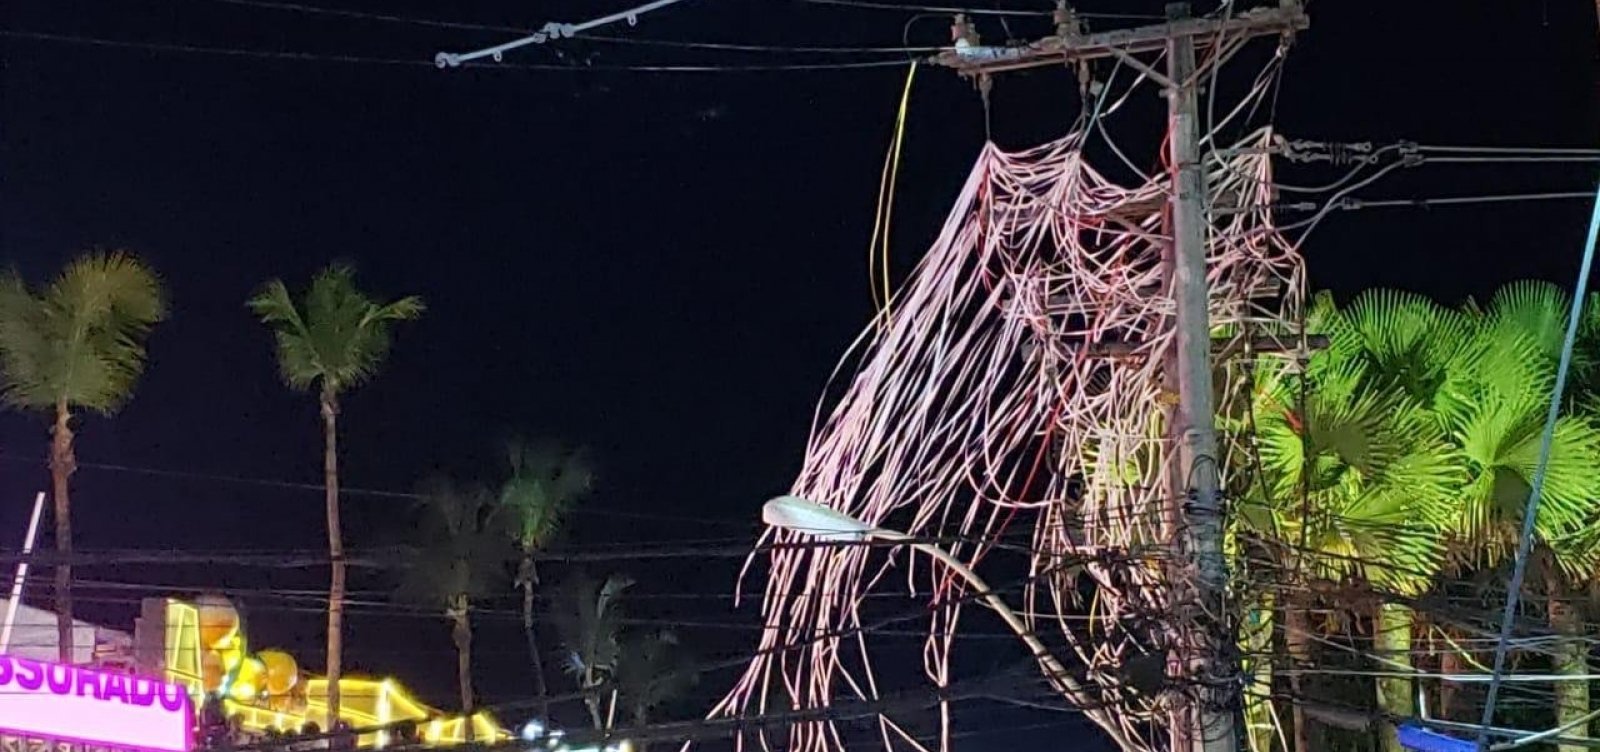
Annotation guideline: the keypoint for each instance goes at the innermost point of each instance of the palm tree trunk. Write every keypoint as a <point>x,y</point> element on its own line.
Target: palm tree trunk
<point>330,474</point>
<point>528,577</point>
<point>1297,641</point>
<point>641,719</point>
<point>1451,663</point>
<point>1571,658</point>
<point>592,699</point>
<point>462,633</point>
<point>62,464</point>
<point>1391,638</point>
<point>1259,719</point>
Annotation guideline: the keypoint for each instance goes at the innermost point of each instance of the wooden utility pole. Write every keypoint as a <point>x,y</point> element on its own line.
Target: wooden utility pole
<point>1205,719</point>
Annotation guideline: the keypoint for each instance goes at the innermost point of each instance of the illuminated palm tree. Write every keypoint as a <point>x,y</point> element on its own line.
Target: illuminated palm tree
<point>1356,485</point>
<point>1484,376</point>
<point>1496,409</point>
<point>332,340</point>
<point>78,343</point>
<point>462,554</point>
<point>545,482</point>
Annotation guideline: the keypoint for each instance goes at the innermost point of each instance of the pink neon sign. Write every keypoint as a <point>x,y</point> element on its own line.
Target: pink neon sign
<point>93,707</point>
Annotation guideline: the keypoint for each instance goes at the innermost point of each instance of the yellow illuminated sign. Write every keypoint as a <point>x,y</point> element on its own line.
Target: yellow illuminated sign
<point>363,703</point>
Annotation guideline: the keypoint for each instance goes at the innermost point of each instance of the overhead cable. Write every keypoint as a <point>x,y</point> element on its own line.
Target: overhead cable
<point>312,57</point>
<point>506,29</point>
<point>356,491</point>
<point>868,4</point>
<point>550,31</point>
<point>1355,203</point>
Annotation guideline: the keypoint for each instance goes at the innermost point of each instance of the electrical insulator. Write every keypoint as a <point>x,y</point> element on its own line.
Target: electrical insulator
<point>962,33</point>
<point>1066,20</point>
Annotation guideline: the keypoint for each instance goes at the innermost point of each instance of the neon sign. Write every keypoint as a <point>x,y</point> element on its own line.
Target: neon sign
<point>81,705</point>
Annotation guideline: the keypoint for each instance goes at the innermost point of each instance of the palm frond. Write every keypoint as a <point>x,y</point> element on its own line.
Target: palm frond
<point>80,340</point>
<point>336,337</point>
<point>588,618</point>
<point>1409,340</point>
<point>1360,470</point>
<point>297,359</point>
<point>652,670</point>
<point>460,548</point>
<point>546,480</point>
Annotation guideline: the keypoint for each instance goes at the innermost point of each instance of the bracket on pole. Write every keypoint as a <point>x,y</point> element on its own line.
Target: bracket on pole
<point>972,59</point>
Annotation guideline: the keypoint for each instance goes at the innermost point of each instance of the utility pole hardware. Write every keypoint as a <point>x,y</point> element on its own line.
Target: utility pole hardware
<point>1203,661</point>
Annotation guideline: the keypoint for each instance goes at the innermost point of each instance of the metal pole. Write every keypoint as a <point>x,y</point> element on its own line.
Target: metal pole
<point>1212,726</point>
<point>22,574</point>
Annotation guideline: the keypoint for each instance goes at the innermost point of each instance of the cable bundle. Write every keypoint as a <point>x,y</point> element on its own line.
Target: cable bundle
<point>1019,383</point>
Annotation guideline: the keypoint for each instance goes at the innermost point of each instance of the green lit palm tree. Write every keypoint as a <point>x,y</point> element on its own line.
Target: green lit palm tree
<point>588,616</point>
<point>333,339</point>
<point>1496,409</point>
<point>77,343</point>
<point>1356,484</point>
<point>1485,375</point>
<point>545,482</point>
<point>462,555</point>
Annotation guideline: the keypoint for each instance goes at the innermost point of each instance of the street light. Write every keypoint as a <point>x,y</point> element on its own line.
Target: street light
<point>800,515</point>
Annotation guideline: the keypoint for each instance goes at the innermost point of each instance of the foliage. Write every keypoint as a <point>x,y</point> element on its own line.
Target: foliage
<point>337,336</point>
<point>80,339</point>
<point>1362,478</point>
<point>546,480</point>
<point>1412,441</point>
<point>460,545</point>
<point>588,617</point>
<point>652,670</point>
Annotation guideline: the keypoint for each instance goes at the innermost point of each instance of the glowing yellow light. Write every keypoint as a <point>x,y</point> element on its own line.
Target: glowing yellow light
<point>366,702</point>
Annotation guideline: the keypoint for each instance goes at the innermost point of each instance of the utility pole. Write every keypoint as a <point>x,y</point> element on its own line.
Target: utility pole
<point>1200,630</point>
<point>1206,719</point>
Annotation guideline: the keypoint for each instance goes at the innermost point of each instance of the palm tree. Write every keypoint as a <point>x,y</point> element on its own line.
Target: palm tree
<point>1485,376</point>
<point>652,670</point>
<point>334,339</point>
<point>588,616</point>
<point>1497,407</point>
<point>462,551</point>
<point>76,343</point>
<point>1355,485</point>
<point>545,482</point>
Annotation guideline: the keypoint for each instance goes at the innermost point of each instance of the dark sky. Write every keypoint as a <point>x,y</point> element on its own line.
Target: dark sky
<point>664,266</point>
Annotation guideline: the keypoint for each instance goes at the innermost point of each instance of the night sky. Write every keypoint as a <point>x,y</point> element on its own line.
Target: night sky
<point>662,266</point>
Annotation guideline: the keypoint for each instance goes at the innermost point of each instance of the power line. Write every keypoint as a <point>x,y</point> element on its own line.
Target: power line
<point>1348,204</point>
<point>869,5</point>
<point>550,31</point>
<point>472,26</point>
<point>356,491</point>
<point>369,16</point>
<point>40,36</point>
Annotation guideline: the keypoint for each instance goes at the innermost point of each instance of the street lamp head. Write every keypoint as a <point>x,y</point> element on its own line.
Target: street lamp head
<point>805,516</point>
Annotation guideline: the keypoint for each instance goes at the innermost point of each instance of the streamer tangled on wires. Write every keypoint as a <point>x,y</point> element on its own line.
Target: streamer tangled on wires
<point>1015,390</point>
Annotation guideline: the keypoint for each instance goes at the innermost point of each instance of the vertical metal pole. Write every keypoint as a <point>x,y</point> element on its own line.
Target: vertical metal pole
<point>1213,723</point>
<point>22,574</point>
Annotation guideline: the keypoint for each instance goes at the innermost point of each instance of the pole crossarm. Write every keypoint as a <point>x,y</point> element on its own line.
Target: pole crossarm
<point>1056,50</point>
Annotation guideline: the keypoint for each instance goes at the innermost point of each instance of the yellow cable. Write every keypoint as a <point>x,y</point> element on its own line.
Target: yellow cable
<point>885,211</point>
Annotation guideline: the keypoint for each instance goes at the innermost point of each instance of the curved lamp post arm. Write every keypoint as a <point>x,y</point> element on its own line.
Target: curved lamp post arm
<point>825,523</point>
<point>1052,666</point>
